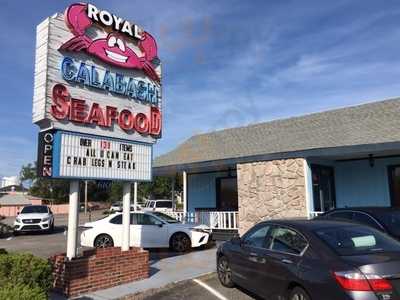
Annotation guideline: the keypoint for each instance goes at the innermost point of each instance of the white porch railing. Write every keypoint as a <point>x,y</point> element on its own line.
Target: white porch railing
<point>314,214</point>
<point>225,220</point>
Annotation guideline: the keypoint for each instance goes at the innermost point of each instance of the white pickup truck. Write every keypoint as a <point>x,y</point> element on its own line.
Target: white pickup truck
<point>161,205</point>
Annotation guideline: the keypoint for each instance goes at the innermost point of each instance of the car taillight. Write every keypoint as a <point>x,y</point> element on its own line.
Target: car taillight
<point>356,281</point>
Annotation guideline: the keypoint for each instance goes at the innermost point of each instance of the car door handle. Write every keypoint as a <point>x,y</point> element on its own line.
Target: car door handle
<point>286,261</point>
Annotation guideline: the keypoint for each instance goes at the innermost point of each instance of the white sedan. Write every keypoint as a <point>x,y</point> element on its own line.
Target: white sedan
<point>147,230</point>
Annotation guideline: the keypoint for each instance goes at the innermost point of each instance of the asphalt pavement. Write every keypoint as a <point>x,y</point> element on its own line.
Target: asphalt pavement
<point>45,244</point>
<point>203,288</point>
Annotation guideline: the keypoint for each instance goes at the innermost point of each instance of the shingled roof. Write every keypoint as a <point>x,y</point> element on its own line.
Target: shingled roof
<point>372,123</point>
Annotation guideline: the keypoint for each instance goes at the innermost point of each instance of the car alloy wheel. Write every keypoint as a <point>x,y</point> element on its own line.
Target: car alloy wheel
<point>224,272</point>
<point>299,294</point>
<point>103,241</point>
<point>180,242</point>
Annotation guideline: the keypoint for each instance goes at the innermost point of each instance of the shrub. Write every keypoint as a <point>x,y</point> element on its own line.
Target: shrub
<point>22,269</point>
<point>21,292</point>
<point>5,230</point>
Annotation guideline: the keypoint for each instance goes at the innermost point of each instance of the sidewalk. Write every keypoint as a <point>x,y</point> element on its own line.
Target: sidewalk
<point>165,268</point>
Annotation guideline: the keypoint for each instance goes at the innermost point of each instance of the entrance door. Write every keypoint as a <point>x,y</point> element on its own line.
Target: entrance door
<point>394,184</point>
<point>323,179</point>
<point>227,194</point>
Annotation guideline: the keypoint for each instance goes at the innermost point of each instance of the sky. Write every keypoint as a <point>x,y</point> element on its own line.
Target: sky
<point>225,63</point>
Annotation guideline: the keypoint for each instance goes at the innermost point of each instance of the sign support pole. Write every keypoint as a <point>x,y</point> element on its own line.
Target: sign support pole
<point>135,185</point>
<point>86,202</point>
<point>73,219</point>
<point>126,207</point>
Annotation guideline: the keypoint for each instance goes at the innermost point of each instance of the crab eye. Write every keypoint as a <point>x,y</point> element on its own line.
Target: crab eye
<point>121,44</point>
<point>112,41</point>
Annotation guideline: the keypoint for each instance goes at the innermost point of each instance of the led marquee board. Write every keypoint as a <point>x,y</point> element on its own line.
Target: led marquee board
<point>88,157</point>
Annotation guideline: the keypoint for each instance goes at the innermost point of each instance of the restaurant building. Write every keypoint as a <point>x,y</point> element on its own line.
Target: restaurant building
<point>295,167</point>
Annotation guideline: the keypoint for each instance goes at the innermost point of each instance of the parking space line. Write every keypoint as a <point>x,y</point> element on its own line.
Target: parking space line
<point>210,289</point>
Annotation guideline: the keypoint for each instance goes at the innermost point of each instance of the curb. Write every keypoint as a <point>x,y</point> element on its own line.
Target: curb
<point>143,295</point>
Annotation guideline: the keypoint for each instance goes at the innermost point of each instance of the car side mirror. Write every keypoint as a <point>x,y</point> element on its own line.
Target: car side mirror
<point>17,213</point>
<point>160,225</point>
<point>236,240</point>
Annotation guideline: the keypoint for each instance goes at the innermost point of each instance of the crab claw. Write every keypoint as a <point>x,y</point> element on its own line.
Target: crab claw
<point>77,19</point>
<point>148,46</point>
<point>77,43</point>
<point>149,70</point>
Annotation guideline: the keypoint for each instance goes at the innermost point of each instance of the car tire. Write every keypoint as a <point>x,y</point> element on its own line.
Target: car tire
<point>299,294</point>
<point>180,242</point>
<point>224,272</point>
<point>103,241</point>
<point>51,229</point>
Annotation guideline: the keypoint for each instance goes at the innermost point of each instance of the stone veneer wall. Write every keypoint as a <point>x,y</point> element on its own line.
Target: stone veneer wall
<point>270,189</point>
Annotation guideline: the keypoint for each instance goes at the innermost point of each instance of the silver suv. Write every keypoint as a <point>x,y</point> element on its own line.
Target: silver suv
<point>34,218</point>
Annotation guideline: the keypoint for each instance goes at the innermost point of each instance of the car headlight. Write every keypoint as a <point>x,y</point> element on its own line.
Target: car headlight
<point>45,219</point>
<point>18,220</point>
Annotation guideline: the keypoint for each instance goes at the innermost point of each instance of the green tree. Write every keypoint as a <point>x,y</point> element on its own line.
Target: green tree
<point>28,173</point>
<point>55,190</point>
<point>160,187</point>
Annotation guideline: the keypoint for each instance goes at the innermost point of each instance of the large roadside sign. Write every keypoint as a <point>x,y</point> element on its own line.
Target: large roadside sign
<point>97,79</point>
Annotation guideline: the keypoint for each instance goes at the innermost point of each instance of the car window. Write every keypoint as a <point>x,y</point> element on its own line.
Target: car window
<point>256,236</point>
<point>165,217</point>
<point>391,220</point>
<point>145,219</point>
<point>38,209</point>
<point>346,215</point>
<point>357,240</point>
<point>116,220</point>
<point>286,240</point>
<point>365,219</point>
<point>164,204</point>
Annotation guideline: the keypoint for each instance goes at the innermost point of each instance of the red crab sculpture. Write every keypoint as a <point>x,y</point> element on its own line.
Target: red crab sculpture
<point>112,49</point>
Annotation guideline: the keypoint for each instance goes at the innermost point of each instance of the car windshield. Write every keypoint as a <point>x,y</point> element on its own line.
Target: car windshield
<point>391,220</point>
<point>357,240</point>
<point>34,209</point>
<point>165,217</point>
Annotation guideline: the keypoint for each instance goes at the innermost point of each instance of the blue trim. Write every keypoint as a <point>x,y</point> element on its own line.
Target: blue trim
<point>98,178</point>
<point>56,154</point>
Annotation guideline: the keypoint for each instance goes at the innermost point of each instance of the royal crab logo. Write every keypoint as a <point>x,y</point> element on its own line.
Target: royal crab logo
<point>113,48</point>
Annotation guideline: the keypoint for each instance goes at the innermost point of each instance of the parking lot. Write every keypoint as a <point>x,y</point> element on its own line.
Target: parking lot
<point>48,244</point>
<point>202,288</point>
<point>44,244</point>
